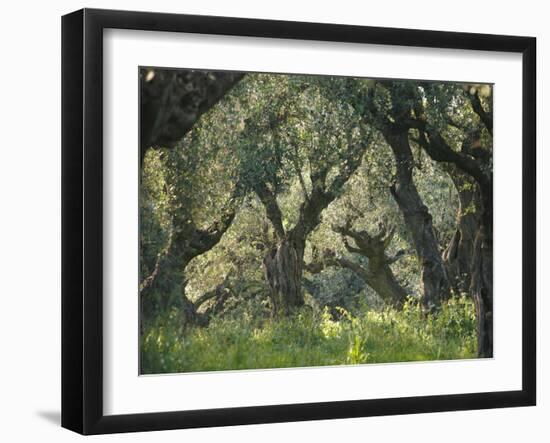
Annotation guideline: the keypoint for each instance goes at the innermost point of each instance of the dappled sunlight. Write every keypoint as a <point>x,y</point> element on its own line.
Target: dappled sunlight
<point>307,220</point>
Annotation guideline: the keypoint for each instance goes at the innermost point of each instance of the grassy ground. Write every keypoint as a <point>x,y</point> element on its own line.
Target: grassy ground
<point>312,339</point>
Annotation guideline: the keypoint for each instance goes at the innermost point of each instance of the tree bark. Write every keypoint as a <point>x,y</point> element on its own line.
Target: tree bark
<point>482,264</point>
<point>460,250</point>
<point>381,278</point>
<point>378,273</point>
<point>284,262</point>
<point>283,272</point>
<point>481,287</point>
<point>185,242</point>
<point>171,101</point>
<point>394,126</point>
<point>164,288</point>
<point>477,163</point>
<point>481,290</point>
<point>433,275</point>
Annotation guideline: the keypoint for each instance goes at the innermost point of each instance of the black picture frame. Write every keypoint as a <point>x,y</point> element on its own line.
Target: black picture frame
<point>82,215</point>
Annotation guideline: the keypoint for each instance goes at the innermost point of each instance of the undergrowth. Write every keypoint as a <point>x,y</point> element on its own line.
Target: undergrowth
<point>312,339</point>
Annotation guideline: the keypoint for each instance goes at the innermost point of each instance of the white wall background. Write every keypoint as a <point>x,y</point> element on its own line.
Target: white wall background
<point>30,220</point>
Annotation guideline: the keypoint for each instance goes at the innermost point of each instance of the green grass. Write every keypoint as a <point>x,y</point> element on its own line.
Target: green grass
<point>312,339</point>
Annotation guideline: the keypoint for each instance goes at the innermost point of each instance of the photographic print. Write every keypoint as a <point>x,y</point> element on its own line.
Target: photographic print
<point>265,207</point>
<point>293,220</point>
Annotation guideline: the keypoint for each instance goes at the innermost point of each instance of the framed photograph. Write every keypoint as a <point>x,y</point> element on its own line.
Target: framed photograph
<point>269,221</point>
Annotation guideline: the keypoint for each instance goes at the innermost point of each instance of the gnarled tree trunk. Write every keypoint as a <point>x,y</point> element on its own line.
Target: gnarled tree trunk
<point>381,278</point>
<point>283,271</point>
<point>460,250</point>
<point>481,288</point>
<point>168,282</point>
<point>185,242</point>
<point>476,161</point>
<point>435,282</point>
<point>378,273</point>
<point>284,262</point>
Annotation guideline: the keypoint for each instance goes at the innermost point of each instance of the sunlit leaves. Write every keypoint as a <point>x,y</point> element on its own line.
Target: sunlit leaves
<point>286,131</point>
